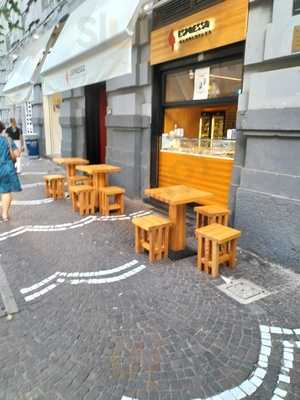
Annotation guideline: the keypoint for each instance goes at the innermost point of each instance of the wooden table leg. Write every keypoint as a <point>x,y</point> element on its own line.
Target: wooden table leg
<point>96,188</point>
<point>99,181</point>
<point>177,215</point>
<point>215,266</point>
<point>71,171</point>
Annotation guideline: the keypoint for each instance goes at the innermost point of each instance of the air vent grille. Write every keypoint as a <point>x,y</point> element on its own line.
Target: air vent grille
<point>177,9</point>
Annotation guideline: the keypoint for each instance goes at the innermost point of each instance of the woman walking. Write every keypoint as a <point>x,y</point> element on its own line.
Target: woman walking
<point>15,133</point>
<point>9,181</point>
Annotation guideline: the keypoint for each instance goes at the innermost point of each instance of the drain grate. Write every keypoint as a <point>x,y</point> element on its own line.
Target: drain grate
<point>243,291</point>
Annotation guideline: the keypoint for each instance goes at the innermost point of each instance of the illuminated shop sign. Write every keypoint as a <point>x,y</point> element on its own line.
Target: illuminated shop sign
<point>176,38</point>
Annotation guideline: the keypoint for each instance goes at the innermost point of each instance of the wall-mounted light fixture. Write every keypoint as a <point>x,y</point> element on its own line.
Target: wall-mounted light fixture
<point>148,7</point>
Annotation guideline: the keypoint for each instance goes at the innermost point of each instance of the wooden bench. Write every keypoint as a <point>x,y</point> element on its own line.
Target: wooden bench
<point>207,215</point>
<point>217,244</point>
<point>55,186</point>
<point>107,194</point>
<point>80,180</point>
<point>83,199</point>
<point>152,234</point>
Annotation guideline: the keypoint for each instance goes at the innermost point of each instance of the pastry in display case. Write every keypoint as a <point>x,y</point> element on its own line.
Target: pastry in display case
<point>208,147</point>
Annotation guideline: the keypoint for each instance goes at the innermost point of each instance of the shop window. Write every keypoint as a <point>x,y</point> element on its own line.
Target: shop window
<point>296,9</point>
<point>221,80</point>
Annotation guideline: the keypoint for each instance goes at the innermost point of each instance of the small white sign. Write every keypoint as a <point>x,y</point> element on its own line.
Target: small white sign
<point>201,84</point>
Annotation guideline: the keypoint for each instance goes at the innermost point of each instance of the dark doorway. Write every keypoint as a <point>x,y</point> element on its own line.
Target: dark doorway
<point>95,113</point>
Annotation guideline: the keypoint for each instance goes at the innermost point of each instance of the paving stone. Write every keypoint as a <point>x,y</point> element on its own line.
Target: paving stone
<point>166,333</point>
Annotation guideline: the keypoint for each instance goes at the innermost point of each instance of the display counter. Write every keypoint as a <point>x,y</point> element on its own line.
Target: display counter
<point>209,172</point>
<point>199,147</point>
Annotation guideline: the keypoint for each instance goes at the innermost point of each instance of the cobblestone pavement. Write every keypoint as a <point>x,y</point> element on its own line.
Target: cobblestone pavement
<point>163,332</point>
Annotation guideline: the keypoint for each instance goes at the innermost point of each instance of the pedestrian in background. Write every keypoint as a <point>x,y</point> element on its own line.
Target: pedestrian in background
<point>9,181</point>
<point>15,133</point>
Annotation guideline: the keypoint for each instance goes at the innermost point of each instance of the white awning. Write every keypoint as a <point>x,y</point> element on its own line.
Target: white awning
<point>95,45</point>
<point>21,80</point>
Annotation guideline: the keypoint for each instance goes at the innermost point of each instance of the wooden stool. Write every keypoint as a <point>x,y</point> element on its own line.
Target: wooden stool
<point>80,180</point>
<point>207,215</point>
<point>152,234</point>
<point>217,244</point>
<point>106,193</point>
<point>54,186</point>
<point>83,199</point>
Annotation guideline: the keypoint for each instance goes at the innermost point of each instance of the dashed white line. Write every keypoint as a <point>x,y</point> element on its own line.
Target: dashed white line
<point>64,277</point>
<point>62,227</point>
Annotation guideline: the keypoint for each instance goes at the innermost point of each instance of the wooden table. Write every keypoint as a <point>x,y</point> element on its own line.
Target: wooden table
<point>177,197</point>
<point>99,173</point>
<point>70,164</point>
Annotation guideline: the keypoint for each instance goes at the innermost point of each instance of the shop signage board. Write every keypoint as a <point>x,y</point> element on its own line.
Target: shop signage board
<point>296,39</point>
<point>180,36</point>
<point>216,26</point>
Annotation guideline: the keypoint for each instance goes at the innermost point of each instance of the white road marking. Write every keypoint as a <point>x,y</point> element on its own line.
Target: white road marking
<point>31,202</point>
<point>40,284</point>
<point>33,185</point>
<point>256,378</point>
<point>34,173</point>
<point>61,227</point>
<point>63,277</point>
<point>108,280</point>
<point>40,293</point>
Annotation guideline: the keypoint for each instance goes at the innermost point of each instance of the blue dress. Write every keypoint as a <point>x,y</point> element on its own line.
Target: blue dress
<point>10,182</point>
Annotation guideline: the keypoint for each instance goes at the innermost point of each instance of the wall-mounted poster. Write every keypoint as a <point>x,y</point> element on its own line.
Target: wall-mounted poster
<point>201,83</point>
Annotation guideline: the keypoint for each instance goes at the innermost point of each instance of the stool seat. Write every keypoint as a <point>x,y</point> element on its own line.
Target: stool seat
<point>217,244</point>
<point>207,215</point>
<point>219,233</point>
<point>151,221</point>
<point>152,234</point>
<point>83,199</point>
<point>212,210</point>
<point>54,186</point>
<point>115,192</point>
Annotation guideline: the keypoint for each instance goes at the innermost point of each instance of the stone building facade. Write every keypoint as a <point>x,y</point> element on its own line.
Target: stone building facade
<point>128,100</point>
<point>265,195</point>
<point>266,183</point>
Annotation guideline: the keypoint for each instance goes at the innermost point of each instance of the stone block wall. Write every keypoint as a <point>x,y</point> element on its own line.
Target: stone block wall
<point>129,118</point>
<point>265,189</point>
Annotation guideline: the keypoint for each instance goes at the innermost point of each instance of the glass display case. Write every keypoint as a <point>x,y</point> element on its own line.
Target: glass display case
<point>209,147</point>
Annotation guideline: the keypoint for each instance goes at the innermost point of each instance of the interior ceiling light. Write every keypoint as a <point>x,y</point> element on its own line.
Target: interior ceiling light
<point>230,78</point>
